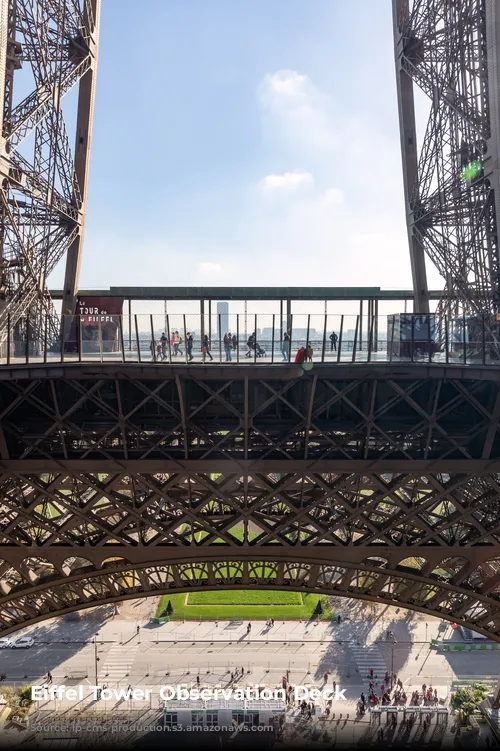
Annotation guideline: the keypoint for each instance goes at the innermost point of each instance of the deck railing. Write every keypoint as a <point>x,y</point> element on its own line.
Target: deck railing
<point>180,339</point>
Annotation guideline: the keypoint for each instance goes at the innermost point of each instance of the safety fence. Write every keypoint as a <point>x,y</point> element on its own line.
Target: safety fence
<point>234,338</point>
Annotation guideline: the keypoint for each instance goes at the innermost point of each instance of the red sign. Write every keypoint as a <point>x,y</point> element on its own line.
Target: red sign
<point>95,310</point>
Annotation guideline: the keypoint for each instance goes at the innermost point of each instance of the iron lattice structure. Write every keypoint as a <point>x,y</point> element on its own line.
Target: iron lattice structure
<point>449,49</point>
<point>121,481</point>
<point>47,47</point>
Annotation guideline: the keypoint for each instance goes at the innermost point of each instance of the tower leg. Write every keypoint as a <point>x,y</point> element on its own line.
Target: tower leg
<point>406,106</point>
<point>86,96</point>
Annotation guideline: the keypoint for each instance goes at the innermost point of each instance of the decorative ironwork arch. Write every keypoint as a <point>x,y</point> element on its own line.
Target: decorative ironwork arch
<point>426,589</point>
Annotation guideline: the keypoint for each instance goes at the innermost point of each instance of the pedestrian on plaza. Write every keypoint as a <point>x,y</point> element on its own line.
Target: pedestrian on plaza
<point>49,676</point>
<point>228,343</point>
<point>234,341</point>
<point>334,685</point>
<point>301,355</point>
<point>309,353</point>
<point>371,672</point>
<point>138,628</point>
<point>386,677</point>
<point>232,677</point>
<point>251,344</point>
<point>206,348</point>
<point>197,680</point>
<point>189,345</point>
<point>249,628</point>
<point>163,342</point>
<point>333,340</point>
<point>325,677</point>
<point>285,346</point>
<point>339,618</point>
<point>272,621</point>
<point>242,672</point>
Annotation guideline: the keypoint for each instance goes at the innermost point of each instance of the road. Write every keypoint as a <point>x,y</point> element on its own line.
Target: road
<point>139,661</point>
<point>307,649</point>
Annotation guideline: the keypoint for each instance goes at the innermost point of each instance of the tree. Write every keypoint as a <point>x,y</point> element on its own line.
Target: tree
<point>24,694</point>
<point>465,701</point>
<point>18,701</point>
<point>170,608</point>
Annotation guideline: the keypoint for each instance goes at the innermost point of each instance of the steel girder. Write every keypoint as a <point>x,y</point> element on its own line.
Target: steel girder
<point>332,413</point>
<point>53,47</point>
<point>450,51</point>
<point>385,488</point>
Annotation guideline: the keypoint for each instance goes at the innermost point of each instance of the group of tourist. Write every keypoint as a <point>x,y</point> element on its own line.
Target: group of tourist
<point>159,350</point>
<point>392,692</point>
<point>160,353</point>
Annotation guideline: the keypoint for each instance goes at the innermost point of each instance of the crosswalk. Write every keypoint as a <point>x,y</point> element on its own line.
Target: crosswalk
<point>367,658</point>
<point>117,663</point>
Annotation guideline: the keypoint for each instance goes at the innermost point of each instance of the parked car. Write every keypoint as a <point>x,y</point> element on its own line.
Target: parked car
<point>23,642</point>
<point>4,642</point>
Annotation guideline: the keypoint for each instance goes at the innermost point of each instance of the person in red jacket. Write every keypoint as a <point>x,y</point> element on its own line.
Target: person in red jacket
<point>301,355</point>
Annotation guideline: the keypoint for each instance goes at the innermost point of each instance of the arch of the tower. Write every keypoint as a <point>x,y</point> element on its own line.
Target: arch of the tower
<point>462,588</point>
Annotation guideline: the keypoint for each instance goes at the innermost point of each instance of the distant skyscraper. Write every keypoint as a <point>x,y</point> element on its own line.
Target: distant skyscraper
<point>223,312</point>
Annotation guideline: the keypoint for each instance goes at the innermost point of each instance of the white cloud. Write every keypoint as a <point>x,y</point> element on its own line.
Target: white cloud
<point>287,181</point>
<point>295,112</point>
<point>209,268</point>
<point>332,197</point>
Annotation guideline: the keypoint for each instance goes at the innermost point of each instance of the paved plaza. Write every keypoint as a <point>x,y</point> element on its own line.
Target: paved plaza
<point>135,652</point>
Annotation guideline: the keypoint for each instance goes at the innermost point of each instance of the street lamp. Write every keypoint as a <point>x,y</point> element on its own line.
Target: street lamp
<point>391,635</point>
<point>96,658</point>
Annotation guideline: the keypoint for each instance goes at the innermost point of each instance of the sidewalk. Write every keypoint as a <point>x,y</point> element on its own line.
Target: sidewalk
<point>121,631</point>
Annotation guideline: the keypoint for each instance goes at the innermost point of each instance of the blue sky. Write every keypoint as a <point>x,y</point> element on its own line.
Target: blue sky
<point>248,142</point>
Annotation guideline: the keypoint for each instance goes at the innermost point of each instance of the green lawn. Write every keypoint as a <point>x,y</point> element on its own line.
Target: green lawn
<point>244,597</point>
<point>236,607</point>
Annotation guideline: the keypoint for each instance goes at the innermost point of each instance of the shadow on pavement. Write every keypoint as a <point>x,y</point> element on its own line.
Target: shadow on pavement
<point>69,635</point>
